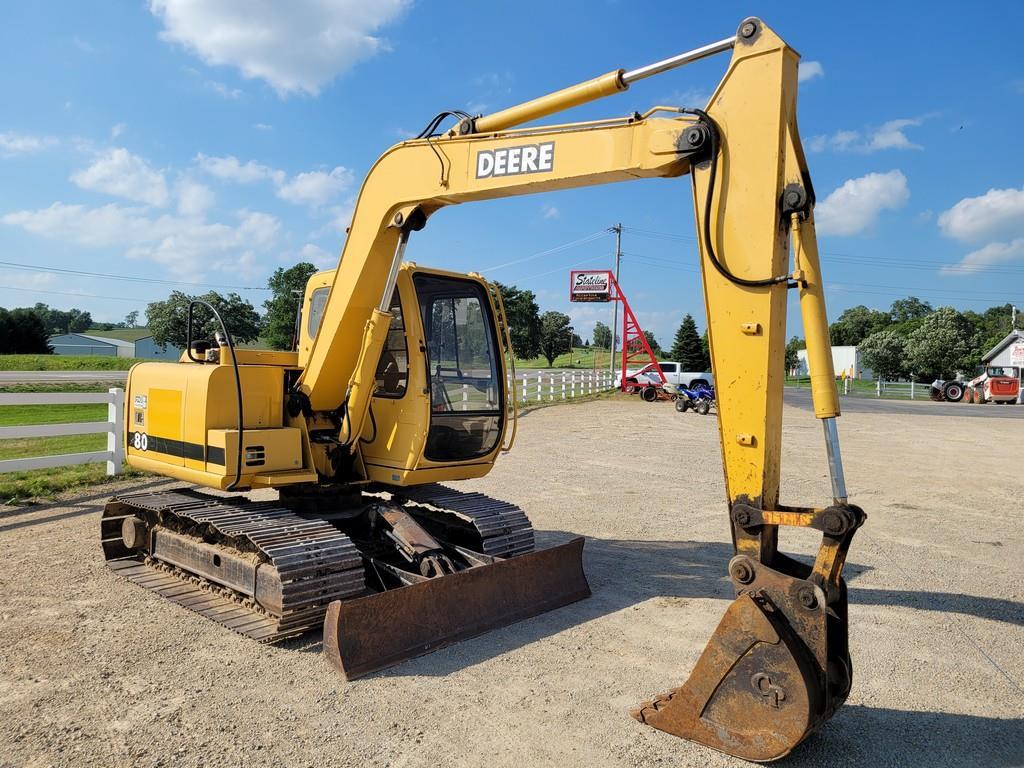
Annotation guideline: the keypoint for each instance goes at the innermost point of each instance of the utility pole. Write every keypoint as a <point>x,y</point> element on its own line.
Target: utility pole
<point>1013,317</point>
<point>617,229</point>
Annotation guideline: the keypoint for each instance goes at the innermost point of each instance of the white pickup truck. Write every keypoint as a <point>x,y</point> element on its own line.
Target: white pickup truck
<point>674,375</point>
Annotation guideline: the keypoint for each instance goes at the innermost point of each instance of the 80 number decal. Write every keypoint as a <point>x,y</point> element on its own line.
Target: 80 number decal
<point>140,442</point>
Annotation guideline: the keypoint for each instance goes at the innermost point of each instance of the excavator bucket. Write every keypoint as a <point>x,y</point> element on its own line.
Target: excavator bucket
<point>767,678</point>
<point>370,633</point>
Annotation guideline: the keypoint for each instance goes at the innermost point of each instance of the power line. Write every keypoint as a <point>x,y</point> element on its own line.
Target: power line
<point>557,249</point>
<point>66,293</point>
<point>126,278</point>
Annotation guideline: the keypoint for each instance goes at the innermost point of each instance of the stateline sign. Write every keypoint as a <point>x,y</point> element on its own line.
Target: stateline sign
<point>590,285</point>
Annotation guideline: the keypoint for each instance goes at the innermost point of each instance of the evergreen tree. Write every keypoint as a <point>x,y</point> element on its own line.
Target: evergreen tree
<point>686,347</point>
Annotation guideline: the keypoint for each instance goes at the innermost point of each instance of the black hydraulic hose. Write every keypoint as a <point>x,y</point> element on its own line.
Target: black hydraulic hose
<point>238,378</point>
<point>708,198</point>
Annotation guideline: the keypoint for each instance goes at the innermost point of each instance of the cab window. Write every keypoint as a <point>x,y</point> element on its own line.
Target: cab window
<point>317,305</point>
<point>393,368</point>
<point>466,391</point>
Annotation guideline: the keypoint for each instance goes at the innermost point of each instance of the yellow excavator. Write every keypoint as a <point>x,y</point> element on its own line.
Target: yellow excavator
<point>403,379</point>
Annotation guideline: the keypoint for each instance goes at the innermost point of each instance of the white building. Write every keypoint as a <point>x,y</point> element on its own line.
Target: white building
<point>1009,351</point>
<point>843,359</point>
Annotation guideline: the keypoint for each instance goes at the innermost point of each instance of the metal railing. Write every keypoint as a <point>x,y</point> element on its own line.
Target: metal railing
<point>113,426</point>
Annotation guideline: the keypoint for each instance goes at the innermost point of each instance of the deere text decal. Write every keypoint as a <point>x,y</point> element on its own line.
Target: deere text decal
<point>512,161</point>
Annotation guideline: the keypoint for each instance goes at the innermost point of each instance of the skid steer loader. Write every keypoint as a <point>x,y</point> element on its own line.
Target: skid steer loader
<point>402,380</point>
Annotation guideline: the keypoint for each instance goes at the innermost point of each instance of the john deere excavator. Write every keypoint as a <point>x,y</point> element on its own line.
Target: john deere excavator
<point>402,379</point>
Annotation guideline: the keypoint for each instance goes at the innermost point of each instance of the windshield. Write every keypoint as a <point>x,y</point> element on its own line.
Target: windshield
<point>466,391</point>
<point>1003,371</point>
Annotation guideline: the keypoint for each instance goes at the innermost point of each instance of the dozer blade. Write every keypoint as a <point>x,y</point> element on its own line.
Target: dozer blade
<point>370,633</point>
<point>760,686</point>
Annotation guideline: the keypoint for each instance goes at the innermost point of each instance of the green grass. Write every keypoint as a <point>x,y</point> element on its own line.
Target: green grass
<point>42,484</point>
<point>581,357</point>
<point>124,334</point>
<point>13,415</point>
<point>65,363</point>
<point>20,487</point>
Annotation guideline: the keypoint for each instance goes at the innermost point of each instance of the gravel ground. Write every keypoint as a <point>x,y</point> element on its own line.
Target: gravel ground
<point>96,672</point>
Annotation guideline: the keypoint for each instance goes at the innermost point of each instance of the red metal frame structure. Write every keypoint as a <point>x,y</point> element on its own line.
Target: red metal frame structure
<point>601,286</point>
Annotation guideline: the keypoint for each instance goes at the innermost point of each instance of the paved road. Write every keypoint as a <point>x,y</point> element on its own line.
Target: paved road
<point>855,404</point>
<point>61,377</point>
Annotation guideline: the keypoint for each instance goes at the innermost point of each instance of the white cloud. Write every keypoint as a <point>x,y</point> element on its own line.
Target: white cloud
<point>809,70</point>
<point>193,246</point>
<point>315,187</point>
<point>185,245</point>
<point>222,90</point>
<point>194,198</point>
<point>119,172</point>
<point>317,256</point>
<point>12,143</point>
<point>117,130</point>
<point>997,213</point>
<point>263,126</point>
<point>888,135</point>
<point>855,206</point>
<point>341,219</point>
<point>550,212</point>
<point>993,253</point>
<point>688,97</point>
<point>229,169</point>
<point>296,47</point>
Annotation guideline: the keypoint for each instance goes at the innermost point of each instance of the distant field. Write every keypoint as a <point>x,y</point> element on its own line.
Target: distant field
<point>124,334</point>
<point>65,363</point>
<point>581,357</point>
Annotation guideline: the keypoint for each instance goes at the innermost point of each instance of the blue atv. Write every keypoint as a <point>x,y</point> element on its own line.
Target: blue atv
<point>701,398</point>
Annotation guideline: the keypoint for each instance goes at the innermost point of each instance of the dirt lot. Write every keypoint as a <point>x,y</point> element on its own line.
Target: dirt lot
<point>94,671</point>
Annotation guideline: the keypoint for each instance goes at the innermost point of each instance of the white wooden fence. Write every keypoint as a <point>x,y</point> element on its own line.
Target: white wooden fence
<point>909,390</point>
<point>549,386</point>
<point>113,426</point>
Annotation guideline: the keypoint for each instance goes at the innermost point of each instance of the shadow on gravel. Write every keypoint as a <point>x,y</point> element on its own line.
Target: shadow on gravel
<point>992,608</point>
<point>875,736</point>
<point>79,505</point>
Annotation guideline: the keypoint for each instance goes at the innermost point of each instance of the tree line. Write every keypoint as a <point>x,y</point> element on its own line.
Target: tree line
<point>914,340</point>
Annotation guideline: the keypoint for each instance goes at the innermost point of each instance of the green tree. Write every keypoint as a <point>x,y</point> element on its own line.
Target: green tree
<point>23,332</point>
<point>686,347</point>
<point>602,336</point>
<point>705,348</point>
<point>794,345</point>
<point>60,321</point>
<point>885,353</point>
<point>131,319</point>
<point>856,324</point>
<point>991,326</point>
<point>653,343</point>
<point>168,319</point>
<point>288,287</point>
<point>555,335</point>
<point>910,308</point>
<point>943,344</point>
<point>524,324</point>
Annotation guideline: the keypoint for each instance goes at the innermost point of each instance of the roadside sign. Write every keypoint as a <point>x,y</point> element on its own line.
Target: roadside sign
<point>590,285</point>
<point>1017,354</point>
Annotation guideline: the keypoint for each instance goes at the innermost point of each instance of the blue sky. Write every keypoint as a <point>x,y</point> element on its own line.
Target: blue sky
<point>213,142</point>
